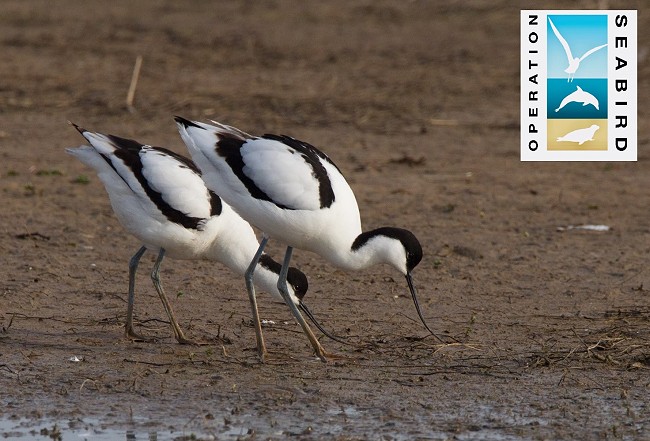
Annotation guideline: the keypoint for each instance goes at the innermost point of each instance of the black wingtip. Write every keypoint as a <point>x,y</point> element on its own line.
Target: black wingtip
<point>186,122</point>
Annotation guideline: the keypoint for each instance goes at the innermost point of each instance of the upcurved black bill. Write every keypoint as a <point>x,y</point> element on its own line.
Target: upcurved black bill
<point>414,294</point>
<point>311,317</point>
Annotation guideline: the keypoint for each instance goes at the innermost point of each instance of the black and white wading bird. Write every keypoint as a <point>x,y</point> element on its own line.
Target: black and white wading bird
<point>160,198</point>
<point>294,193</point>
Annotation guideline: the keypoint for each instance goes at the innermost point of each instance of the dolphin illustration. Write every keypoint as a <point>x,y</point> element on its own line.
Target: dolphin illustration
<point>574,62</point>
<point>579,96</point>
<point>581,135</point>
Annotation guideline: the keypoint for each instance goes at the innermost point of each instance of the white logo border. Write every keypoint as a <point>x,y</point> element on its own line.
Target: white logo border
<point>533,40</point>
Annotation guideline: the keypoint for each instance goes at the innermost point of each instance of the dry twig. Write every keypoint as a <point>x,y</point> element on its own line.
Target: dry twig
<point>134,83</point>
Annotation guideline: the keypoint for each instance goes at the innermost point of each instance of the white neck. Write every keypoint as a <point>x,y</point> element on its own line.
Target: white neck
<point>376,250</point>
<point>237,256</point>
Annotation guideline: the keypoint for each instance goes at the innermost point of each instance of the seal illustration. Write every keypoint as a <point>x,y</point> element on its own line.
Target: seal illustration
<point>581,135</point>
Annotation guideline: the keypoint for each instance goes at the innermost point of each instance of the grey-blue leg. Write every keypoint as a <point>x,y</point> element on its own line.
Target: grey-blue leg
<point>250,287</point>
<point>284,291</point>
<point>133,267</point>
<point>155,278</point>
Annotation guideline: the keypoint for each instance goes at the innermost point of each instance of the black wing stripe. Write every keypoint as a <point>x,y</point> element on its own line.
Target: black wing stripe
<point>229,147</point>
<point>129,152</point>
<point>312,156</point>
<point>215,203</point>
<point>215,200</point>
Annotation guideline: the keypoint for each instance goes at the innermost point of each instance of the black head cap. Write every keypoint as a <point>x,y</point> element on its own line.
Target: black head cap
<point>298,281</point>
<point>410,243</point>
<point>413,249</point>
<point>295,277</point>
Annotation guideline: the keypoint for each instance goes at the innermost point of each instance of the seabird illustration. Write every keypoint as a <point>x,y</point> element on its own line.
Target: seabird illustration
<point>574,62</point>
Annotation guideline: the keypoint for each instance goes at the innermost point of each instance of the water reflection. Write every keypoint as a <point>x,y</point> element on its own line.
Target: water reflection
<point>131,436</point>
<point>80,430</point>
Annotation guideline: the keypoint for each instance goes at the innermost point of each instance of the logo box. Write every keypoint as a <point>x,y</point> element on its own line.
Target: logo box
<point>578,85</point>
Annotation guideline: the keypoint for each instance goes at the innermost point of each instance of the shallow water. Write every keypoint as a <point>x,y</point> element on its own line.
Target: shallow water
<point>94,429</point>
<point>29,429</point>
<point>344,422</point>
<point>480,420</point>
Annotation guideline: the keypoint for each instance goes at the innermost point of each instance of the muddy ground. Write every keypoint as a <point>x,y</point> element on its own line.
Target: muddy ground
<point>547,332</point>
